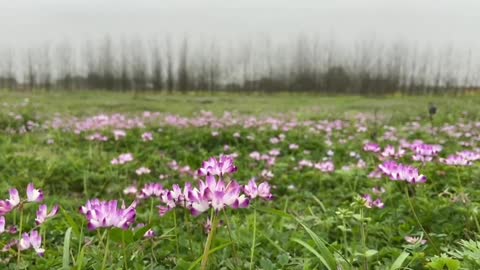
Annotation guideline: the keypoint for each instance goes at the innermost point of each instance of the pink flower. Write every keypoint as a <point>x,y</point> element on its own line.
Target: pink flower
<point>8,205</point>
<point>326,166</point>
<point>130,190</point>
<point>371,147</point>
<point>267,174</point>
<point>33,194</point>
<point>224,165</point>
<point>147,136</point>
<point>32,240</point>
<point>369,203</point>
<point>97,137</point>
<point>262,190</point>
<point>470,155</point>
<point>42,215</point>
<point>217,195</point>
<point>119,134</point>
<point>378,190</point>
<point>456,160</point>
<point>390,152</point>
<point>415,240</point>
<point>274,152</point>
<point>151,190</point>
<point>305,163</point>
<point>142,171</point>
<point>2,224</point>
<point>107,214</point>
<point>149,234</point>
<point>293,146</point>
<point>122,159</point>
<point>274,140</point>
<point>400,172</point>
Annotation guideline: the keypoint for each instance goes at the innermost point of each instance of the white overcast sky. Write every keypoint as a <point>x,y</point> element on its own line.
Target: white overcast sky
<point>28,23</point>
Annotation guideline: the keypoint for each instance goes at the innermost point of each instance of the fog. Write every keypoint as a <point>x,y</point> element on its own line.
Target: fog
<point>436,23</point>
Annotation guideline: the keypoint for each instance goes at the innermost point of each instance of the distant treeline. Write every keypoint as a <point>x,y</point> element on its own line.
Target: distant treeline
<point>303,65</point>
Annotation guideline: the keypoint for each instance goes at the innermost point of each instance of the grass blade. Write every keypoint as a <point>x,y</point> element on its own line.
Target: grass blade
<point>66,249</point>
<point>328,259</point>
<point>314,252</point>
<point>213,250</point>
<point>397,264</point>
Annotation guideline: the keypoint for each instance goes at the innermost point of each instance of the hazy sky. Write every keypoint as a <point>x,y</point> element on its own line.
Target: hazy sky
<point>27,23</point>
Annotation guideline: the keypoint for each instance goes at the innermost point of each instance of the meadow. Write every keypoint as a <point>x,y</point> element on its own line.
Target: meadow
<point>102,180</point>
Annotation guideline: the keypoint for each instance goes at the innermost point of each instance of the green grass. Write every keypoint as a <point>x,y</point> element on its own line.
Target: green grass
<point>305,105</point>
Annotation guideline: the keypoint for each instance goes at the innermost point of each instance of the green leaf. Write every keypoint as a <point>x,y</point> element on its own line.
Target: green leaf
<point>371,252</point>
<point>327,258</point>
<point>121,236</point>
<point>273,211</point>
<point>282,259</point>
<point>66,249</point>
<point>72,223</point>
<point>213,250</point>
<point>397,264</point>
<point>314,252</point>
<point>138,235</point>
<point>439,263</point>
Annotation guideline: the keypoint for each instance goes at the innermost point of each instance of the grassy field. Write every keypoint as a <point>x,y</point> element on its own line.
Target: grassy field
<point>356,183</point>
<point>92,102</point>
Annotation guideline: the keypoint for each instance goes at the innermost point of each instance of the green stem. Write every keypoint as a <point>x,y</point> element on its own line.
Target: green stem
<point>364,238</point>
<point>105,255</point>
<point>208,244</point>
<point>345,242</point>
<point>234,247</point>
<point>176,231</point>
<point>151,212</point>
<point>124,246</point>
<point>252,249</point>
<point>20,232</point>
<point>460,184</point>
<point>418,220</point>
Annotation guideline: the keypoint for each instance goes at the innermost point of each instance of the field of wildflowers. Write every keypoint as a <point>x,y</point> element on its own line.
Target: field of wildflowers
<point>335,189</point>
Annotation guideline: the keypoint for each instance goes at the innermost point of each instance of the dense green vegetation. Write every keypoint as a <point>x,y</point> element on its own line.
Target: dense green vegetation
<point>317,219</point>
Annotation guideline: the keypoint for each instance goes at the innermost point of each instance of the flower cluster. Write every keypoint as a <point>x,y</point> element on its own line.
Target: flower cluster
<point>212,192</point>
<point>391,152</point>
<point>122,159</point>
<point>425,152</point>
<point>370,203</point>
<point>33,195</point>
<point>217,195</point>
<point>147,136</point>
<point>401,172</point>
<point>107,214</point>
<point>372,147</point>
<point>32,239</point>
<point>217,167</point>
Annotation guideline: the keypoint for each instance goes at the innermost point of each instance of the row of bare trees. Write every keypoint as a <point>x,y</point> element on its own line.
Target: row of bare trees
<point>305,65</point>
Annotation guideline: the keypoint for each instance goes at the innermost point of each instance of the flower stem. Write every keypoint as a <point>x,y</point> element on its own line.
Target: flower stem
<point>176,232</point>
<point>208,244</point>
<point>252,249</point>
<point>418,220</point>
<point>20,233</point>
<point>151,212</point>
<point>105,255</point>
<point>235,255</point>
<point>345,242</point>
<point>124,247</point>
<point>364,238</point>
<point>460,186</point>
